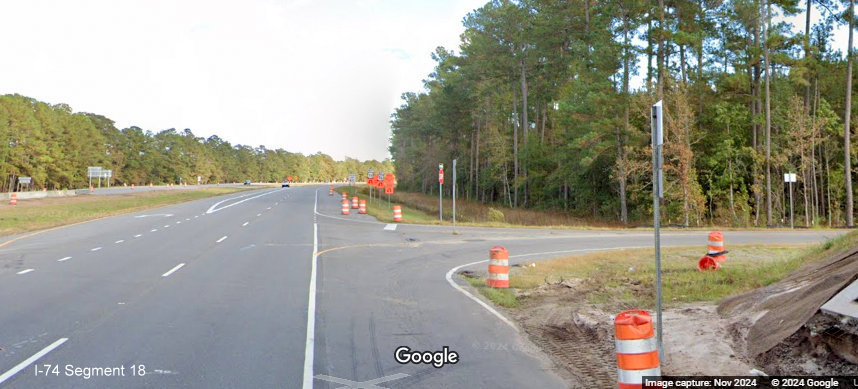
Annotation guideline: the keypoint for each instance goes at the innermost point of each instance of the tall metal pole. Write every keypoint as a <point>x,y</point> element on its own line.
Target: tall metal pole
<point>657,194</point>
<point>454,195</point>
<point>791,223</point>
<point>440,193</point>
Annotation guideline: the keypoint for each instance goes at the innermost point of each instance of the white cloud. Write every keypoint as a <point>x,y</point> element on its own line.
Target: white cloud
<point>306,76</point>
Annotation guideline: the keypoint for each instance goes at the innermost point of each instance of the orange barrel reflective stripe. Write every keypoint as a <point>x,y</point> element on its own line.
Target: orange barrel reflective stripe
<point>715,247</point>
<point>397,213</point>
<point>355,202</point>
<point>498,268</point>
<point>637,350</point>
<point>13,199</point>
<point>362,207</point>
<point>345,207</point>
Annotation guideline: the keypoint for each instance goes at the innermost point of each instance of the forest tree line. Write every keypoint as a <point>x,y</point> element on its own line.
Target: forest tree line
<point>538,108</point>
<point>55,146</point>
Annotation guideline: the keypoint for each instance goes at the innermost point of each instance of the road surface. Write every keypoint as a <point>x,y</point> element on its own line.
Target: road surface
<point>227,292</point>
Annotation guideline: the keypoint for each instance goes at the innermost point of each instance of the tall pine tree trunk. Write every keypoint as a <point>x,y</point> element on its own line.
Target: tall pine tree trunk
<point>624,214</point>
<point>806,55</point>
<point>660,54</point>
<point>847,131</point>
<point>514,202</point>
<point>767,27</point>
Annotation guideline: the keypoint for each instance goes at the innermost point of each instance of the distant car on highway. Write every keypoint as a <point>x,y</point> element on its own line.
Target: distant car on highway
<point>285,184</point>
<point>246,182</point>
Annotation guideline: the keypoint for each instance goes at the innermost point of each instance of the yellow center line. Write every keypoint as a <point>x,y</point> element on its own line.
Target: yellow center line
<point>359,246</point>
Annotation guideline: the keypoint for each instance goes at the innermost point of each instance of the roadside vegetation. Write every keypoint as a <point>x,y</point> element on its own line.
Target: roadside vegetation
<point>503,297</point>
<point>625,279</point>
<point>31,215</point>
<point>546,105</point>
<point>53,145</point>
<point>423,209</point>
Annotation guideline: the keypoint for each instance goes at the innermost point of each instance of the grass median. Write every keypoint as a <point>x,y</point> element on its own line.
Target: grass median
<point>38,214</point>
<point>625,279</point>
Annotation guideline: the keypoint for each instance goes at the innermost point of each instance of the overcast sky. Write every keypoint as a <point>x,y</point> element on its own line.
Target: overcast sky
<point>303,75</point>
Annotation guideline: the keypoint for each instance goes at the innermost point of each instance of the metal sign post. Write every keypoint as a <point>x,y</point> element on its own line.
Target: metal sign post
<point>93,172</point>
<point>790,178</point>
<point>378,194</point>
<point>454,195</point>
<point>657,195</point>
<point>370,175</point>
<point>24,181</point>
<point>440,192</point>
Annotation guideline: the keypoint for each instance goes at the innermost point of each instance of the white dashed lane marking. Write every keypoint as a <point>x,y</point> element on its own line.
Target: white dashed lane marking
<point>119,241</point>
<point>26,271</point>
<point>95,249</point>
<point>153,230</point>
<point>221,239</point>
<point>64,259</point>
<point>138,235</point>
<point>173,270</point>
<point>245,224</point>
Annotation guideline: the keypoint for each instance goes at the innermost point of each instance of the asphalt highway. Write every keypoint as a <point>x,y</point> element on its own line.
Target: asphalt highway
<point>272,288</point>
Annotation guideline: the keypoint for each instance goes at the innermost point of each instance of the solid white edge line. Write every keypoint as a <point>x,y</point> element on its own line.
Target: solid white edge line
<point>214,208</point>
<point>64,259</point>
<point>31,359</point>
<point>221,239</point>
<point>491,310</point>
<point>311,309</point>
<point>173,270</point>
<point>25,271</point>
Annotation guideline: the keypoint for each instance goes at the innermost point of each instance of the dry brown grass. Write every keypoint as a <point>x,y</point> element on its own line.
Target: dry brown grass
<point>476,213</point>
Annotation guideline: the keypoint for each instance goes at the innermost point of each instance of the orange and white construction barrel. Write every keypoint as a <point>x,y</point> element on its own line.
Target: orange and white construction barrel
<point>355,202</point>
<point>345,207</point>
<point>362,209</point>
<point>498,268</point>
<point>13,199</point>
<point>397,213</point>
<point>331,190</point>
<point>637,349</point>
<point>715,248</point>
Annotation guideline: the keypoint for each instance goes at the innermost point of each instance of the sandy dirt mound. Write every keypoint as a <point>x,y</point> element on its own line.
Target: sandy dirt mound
<point>579,337</point>
<point>765,317</point>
